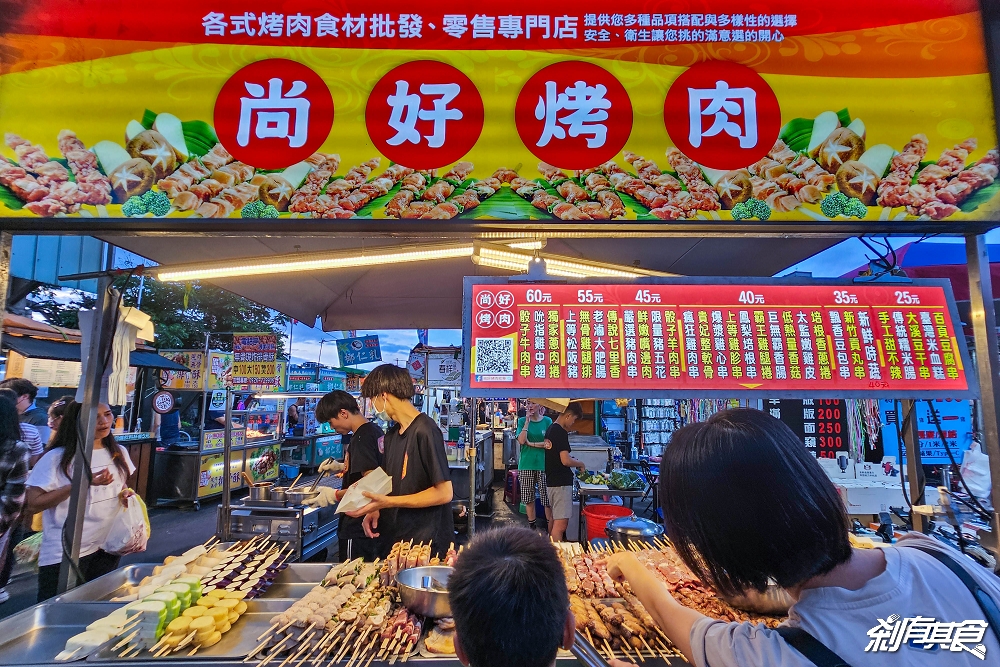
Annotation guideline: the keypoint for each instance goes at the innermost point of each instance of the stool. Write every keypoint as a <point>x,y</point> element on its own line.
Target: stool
<point>511,489</point>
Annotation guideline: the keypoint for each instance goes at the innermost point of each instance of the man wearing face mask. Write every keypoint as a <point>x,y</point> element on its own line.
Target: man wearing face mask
<point>419,506</point>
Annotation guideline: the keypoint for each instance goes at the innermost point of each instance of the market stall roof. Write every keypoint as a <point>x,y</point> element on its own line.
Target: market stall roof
<point>428,295</point>
<point>40,348</point>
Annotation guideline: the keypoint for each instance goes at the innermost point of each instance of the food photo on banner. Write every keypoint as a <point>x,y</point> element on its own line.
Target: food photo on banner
<point>795,112</point>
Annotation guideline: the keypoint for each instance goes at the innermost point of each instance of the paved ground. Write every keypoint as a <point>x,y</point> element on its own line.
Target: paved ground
<point>175,530</point>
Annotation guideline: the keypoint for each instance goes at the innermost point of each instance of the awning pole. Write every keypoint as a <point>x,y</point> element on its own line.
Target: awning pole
<point>914,469</point>
<point>98,350</point>
<point>984,333</point>
<point>227,457</point>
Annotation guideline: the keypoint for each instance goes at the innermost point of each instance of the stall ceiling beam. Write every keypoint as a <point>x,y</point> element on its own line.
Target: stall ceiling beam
<point>429,294</point>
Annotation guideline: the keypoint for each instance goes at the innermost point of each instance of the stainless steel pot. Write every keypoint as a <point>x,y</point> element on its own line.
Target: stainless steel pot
<point>278,493</point>
<point>425,600</point>
<point>627,529</point>
<point>299,496</point>
<point>261,491</point>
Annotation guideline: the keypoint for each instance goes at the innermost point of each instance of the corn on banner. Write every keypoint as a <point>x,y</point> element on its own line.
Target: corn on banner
<point>650,112</point>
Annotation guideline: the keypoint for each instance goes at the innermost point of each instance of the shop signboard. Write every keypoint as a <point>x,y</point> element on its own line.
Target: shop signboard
<point>255,359</point>
<point>43,372</point>
<point>741,114</point>
<point>329,447</point>
<point>211,470</point>
<point>444,369</point>
<point>221,370</point>
<point>214,441</point>
<point>821,424</point>
<point>361,350</point>
<point>193,379</point>
<point>722,338</point>
<point>955,417</point>
<point>262,462</point>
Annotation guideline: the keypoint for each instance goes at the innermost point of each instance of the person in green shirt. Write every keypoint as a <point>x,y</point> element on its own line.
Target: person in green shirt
<point>531,464</point>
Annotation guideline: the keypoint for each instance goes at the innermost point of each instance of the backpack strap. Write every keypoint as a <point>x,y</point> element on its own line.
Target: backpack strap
<point>813,649</point>
<point>986,603</point>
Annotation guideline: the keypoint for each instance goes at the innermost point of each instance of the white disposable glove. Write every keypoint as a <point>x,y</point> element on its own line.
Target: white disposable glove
<point>327,496</point>
<point>331,465</point>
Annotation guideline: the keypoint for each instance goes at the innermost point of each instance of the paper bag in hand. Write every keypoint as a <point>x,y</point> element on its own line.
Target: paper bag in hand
<point>377,482</point>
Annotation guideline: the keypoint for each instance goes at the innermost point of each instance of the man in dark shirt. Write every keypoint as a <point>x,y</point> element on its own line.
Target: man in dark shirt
<point>363,454</point>
<point>29,412</point>
<point>419,507</point>
<point>558,476</point>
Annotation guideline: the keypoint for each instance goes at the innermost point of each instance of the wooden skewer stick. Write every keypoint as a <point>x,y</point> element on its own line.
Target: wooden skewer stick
<point>128,649</point>
<point>305,647</point>
<point>611,654</point>
<point>625,650</point>
<point>260,647</point>
<point>370,658</point>
<point>406,653</point>
<point>193,651</point>
<point>311,627</point>
<point>274,652</point>
<point>646,644</point>
<point>271,630</point>
<point>125,641</point>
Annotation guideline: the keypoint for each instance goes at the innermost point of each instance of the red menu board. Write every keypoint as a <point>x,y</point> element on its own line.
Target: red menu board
<point>680,338</point>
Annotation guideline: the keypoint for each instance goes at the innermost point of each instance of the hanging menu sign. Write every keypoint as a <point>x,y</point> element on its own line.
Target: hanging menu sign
<point>255,359</point>
<point>681,338</point>
<point>821,424</point>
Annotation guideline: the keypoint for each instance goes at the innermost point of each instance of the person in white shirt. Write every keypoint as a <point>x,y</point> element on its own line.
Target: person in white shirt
<point>49,486</point>
<point>745,504</point>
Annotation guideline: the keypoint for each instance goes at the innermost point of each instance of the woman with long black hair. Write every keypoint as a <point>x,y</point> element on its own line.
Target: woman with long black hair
<point>14,455</point>
<point>49,487</point>
<point>745,505</point>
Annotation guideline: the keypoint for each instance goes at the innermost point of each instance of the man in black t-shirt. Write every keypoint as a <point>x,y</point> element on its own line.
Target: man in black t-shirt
<point>419,507</point>
<point>362,455</point>
<point>558,476</point>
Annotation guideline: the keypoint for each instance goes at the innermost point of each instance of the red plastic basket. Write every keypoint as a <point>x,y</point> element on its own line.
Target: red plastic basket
<point>598,516</point>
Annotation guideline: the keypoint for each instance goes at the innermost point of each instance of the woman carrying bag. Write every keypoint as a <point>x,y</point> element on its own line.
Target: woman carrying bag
<point>49,487</point>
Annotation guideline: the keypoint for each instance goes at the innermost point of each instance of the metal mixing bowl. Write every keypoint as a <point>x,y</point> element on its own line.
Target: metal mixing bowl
<point>420,599</point>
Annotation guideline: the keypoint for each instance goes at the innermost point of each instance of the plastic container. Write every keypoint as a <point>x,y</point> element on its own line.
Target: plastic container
<point>598,516</point>
<point>289,471</point>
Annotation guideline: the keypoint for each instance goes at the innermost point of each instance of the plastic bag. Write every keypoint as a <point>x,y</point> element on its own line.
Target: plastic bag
<point>976,471</point>
<point>26,551</point>
<point>376,482</point>
<point>130,529</point>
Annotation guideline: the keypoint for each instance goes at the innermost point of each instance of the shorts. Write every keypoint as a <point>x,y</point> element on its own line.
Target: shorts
<point>529,480</point>
<point>561,498</point>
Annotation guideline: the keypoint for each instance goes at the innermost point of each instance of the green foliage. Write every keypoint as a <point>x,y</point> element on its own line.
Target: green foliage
<point>181,313</point>
<point>60,307</point>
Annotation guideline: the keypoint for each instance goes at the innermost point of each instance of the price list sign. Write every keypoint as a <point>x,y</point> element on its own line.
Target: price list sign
<point>821,424</point>
<point>685,338</point>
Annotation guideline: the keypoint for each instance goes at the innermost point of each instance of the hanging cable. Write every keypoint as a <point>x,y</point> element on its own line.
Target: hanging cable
<point>980,510</point>
<point>902,449</point>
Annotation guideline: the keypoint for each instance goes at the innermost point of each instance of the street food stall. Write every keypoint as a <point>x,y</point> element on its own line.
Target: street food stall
<point>309,443</point>
<point>191,470</point>
<point>49,356</point>
<point>371,222</point>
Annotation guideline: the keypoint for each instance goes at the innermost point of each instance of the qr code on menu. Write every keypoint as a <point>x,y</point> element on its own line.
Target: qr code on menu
<point>494,356</point>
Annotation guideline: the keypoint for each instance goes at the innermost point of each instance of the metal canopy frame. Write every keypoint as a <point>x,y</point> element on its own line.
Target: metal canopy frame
<point>971,393</point>
<point>983,315</point>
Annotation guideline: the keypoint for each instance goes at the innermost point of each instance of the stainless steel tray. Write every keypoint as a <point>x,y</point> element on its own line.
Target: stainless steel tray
<point>113,584</point>
<point>236,643</point>
<point>37,634</point>
<point>296,580</point>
